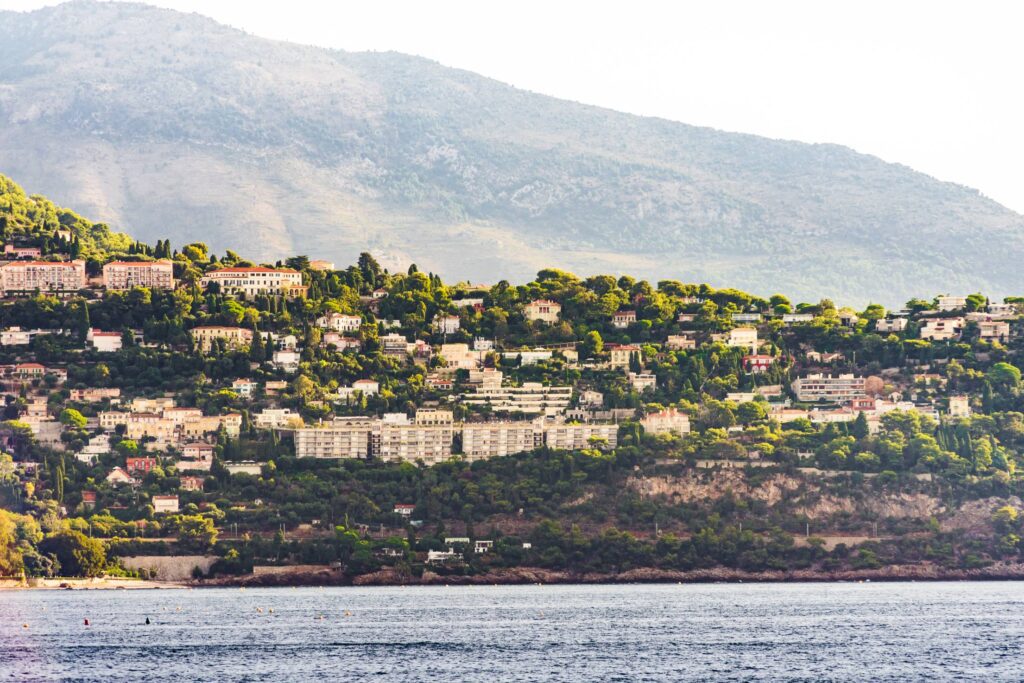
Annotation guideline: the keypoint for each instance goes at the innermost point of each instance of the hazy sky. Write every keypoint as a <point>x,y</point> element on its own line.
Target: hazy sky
<point>934,85</point>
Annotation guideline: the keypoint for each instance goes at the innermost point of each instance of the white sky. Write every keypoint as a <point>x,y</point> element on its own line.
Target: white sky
<point>931,84</point>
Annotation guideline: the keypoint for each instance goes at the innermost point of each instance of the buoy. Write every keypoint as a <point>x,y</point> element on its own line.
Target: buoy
<point>347,613</point>
<point>271,610</point>
<point>24,625</point>
<point>86,622</point>
<point>147,620</point>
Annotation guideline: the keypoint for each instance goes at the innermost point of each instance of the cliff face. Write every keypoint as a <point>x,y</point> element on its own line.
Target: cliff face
<point>170,125</point>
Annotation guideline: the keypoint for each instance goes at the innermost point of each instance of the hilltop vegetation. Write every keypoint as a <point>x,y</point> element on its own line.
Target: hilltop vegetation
<point>167,123</point>
<point>919,472</point>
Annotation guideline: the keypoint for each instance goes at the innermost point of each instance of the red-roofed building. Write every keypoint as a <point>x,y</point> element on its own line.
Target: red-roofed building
<point>758,363</point>
<point>191,483</point>
<point>118,275</point>
<point>543,309</point>
<point>140,465</point>
<point>46,276</point>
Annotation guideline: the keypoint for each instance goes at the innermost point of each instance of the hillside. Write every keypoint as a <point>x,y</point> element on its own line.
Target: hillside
<point>162,123</point>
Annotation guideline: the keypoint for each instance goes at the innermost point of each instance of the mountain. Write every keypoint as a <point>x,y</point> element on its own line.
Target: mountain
<point>171,125</point>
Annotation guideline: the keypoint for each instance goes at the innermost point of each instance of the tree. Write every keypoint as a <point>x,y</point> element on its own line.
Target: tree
<point>72,418</point>
<point>859,429</point>
<point>196,533</point>
<point>750,412</point>
<point>78,554</point>
<point>592,344</point>
<point>1004,375</point>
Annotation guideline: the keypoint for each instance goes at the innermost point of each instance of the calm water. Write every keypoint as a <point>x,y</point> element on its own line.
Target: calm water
<point>895,632</point>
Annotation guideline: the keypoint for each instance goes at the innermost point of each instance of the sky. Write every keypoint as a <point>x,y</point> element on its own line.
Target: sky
<point>933,85</point>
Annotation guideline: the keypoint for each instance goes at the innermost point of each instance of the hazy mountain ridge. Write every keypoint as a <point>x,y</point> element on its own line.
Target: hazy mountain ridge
<point>163,123</point>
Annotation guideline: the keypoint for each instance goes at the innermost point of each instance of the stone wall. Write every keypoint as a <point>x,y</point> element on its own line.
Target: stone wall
<point>170,567</point>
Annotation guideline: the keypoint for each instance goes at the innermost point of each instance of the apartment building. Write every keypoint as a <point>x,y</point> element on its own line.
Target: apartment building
<point>836,388</point>
<point>394,344</point>
<point>234,337</point>
<point>430,442</point>
<point>111,419</point>
<point>497,439</point>
<point>575,437</point>
<point>45,276</point>
<point>531,398</point>
<point>119,275</point>
<point>344,437</point>
<point>256,280</point>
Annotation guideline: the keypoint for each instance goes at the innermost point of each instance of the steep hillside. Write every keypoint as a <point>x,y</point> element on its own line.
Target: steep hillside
<point>164,123</point>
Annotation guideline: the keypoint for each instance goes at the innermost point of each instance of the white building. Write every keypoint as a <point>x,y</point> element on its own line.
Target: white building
<point>838,388</point>
<point>255,280</point>
<point>575,437</point>
<point>274,418</point>
<point>543,310</point>
<point>666,421</point>
<point>345,437</point>
<point>959,406</point>
<point>941,329</point>
<point>496,439</point>
<point>447,324</point>
<point>531,398</point>
<point>340,322</point>
<point>643,381</point>
<point>287,360</point>
<point>891,325</point>
<point>165,504</point>
<point>743,337</point>
<point>366,387</point>
<point>994,330</point>
<point>951,303</point>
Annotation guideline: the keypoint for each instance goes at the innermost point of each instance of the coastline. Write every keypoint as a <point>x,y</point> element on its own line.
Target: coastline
<point>306,576</point>
<point>533,575</point>
<point>98,583</point>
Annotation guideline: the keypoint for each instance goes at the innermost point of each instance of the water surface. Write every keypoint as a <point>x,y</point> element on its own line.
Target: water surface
<point>890,632</point>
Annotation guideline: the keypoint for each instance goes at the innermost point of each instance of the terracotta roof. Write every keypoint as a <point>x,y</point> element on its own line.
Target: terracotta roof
<point>253,269</point>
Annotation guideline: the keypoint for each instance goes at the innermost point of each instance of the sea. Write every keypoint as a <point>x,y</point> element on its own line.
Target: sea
<point>694,632</point>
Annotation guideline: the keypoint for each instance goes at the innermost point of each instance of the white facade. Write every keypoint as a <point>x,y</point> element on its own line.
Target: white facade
<point>543,310</point>
<point>497,439</point>
<point>255,280</point>
<point>666,422</point>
